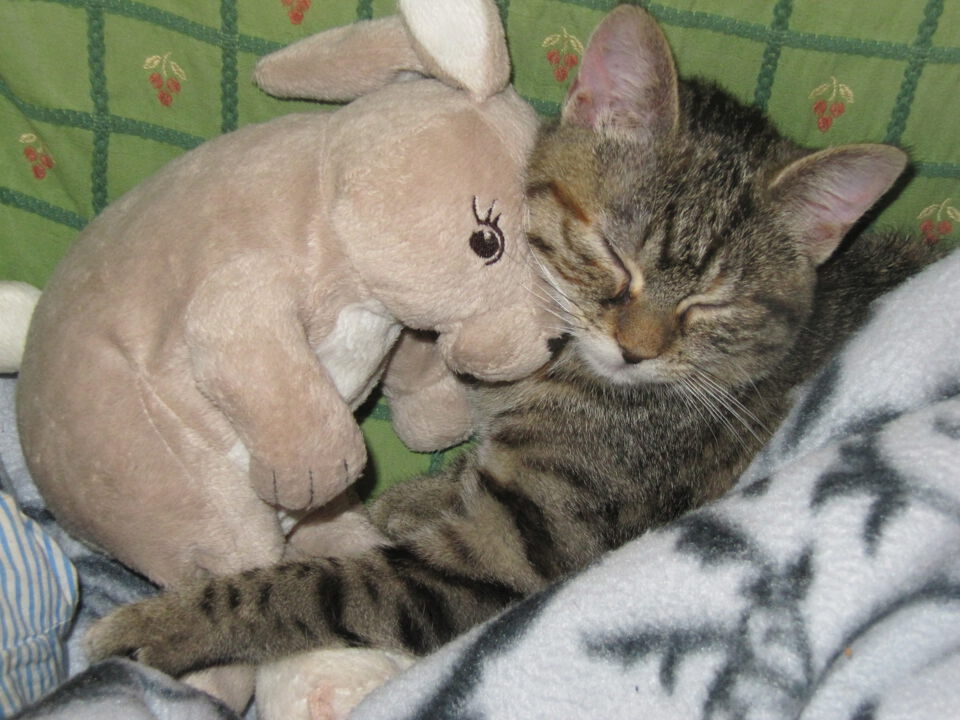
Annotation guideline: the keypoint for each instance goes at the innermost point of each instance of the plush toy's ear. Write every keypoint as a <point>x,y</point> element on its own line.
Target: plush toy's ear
<point>340,64</point>
<point>627,83</point>
<point>461,42</point>
<point>458,41</point>
<point>823,194</point>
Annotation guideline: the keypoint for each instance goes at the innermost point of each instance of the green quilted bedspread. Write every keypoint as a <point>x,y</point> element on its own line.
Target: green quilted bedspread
<point>97,94</point>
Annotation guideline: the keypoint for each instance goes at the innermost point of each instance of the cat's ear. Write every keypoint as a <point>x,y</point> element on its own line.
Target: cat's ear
<point>627,83</point>
<point>823,194</point>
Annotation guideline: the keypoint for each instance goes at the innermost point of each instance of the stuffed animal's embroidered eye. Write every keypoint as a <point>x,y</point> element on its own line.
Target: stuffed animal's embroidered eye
<point>487,241</point>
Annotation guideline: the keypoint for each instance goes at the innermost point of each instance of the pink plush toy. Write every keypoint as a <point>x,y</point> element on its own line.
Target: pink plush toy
<point>194,362</point>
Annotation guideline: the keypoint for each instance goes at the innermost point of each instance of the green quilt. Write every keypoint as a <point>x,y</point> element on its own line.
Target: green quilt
<point>97,94</point>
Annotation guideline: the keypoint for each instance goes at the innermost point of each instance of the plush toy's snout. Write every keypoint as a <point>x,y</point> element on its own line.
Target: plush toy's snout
<point>498,346</point>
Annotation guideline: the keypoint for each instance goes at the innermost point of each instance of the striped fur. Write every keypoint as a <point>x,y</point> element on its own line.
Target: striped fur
<point>583,456</point>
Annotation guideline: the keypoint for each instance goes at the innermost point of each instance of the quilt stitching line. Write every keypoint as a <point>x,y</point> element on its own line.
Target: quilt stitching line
<point>911,76</point>
<point>230,98</point>
<point>96,51</point>
<point>771,55</point>
<point>29,203</point>
<point>172,21</point>
<point>84,121</point>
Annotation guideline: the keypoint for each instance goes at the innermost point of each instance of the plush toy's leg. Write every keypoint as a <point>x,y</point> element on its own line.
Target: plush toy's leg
<point>233,685</point>
<point>249,355</point>
<point>323,684</point>
<point>428,403</point>
<point>147,477</point>
<point>341,527</point>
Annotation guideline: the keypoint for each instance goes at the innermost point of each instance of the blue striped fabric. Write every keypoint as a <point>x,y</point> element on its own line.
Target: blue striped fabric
<point>38,596</point>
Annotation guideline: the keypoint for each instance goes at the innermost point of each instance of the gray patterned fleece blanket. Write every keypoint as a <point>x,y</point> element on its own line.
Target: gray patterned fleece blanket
<point>825,585</point>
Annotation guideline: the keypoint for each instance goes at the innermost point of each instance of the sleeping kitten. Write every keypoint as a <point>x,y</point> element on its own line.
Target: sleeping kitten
<point>691,248</point>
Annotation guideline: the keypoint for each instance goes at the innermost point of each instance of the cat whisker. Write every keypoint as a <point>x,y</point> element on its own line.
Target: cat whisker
<point>734,400</point>
<point>567,302</point>
<point>709,402</point>
<point>684,393</point>
<point>723,410</point>
<point>717,408</point>
<point>550,304</point>
<point>726,401</point>
<point>545,293</point>
<point>748,380</point>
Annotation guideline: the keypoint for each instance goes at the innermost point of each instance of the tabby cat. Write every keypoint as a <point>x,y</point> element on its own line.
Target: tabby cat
<point>691,249</point>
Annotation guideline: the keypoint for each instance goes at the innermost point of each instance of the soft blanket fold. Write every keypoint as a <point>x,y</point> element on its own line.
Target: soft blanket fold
<point>825,585</point>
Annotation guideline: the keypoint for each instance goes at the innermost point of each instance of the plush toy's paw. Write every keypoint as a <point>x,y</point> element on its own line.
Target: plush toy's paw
<point>162,632</point>
<point>323,684</point>
<point>313,479</point>
<point>435,417</point>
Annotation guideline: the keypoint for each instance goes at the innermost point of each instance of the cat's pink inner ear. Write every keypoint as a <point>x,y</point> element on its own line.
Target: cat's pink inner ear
<point>823,194</point>
<point>627,79</point>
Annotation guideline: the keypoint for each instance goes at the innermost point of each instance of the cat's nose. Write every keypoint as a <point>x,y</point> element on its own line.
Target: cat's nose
<point>643,333</point>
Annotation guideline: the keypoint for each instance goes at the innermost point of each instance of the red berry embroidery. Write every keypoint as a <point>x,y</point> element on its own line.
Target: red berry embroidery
<point>563,54</point>
<point>166,77</point>
<point>830,102</point>
<point>936,221</point>
<point>37,155</point>
<point>296,9</point>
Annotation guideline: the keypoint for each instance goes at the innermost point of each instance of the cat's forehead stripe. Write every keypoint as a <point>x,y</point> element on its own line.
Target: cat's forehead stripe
<point>562,196</point>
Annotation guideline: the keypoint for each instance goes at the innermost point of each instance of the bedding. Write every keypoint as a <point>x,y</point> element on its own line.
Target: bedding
<point>97,94</point>
<point>38,595</point>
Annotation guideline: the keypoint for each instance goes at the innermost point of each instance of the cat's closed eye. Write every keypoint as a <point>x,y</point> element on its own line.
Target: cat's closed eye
<point>621,298</point>
<point>701,309</point>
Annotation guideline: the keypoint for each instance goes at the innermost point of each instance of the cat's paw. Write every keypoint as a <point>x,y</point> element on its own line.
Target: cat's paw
<point>155,632</point>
